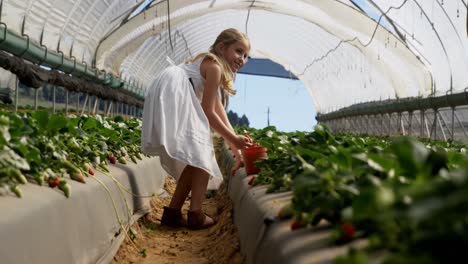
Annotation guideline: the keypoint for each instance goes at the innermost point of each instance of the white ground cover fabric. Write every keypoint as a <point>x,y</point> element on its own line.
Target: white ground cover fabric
<point>45,227</point>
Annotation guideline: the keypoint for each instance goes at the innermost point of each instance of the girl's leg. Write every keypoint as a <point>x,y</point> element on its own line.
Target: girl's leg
<point>199,184</point>
<point>184,185</point>
<point>199,219</point>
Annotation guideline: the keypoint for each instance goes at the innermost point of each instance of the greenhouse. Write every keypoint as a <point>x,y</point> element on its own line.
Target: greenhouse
<point>381,178</point>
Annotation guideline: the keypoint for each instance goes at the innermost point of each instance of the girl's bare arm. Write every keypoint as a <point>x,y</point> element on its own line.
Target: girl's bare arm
<point>212,73</point>
<point>222,114</point>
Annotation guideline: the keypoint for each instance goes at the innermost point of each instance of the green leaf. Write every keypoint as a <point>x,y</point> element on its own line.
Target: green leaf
<point>42,119</point>
<point>90,123</point>
<point>56,123</point>
<point>119,119</point>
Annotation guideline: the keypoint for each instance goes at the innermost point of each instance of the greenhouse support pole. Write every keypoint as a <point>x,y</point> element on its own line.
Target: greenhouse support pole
<point>109,108</point>
<point>440,124</point>
<point>400,125</point>
<point>363,125</point>
<point>403,120</point>
<point>348,120</point>
<point>36,97</point>
<point>95,105</point>
<point>376,125</point>
<point>53,98</point>
<point>90,103</point>
<point>351,123</point>
<point>356,124</point>
<point>433,127</point>
<point>461,125</point>
<point>66,102</point>
<point>360,124</point>
<point>444,124</point>
<point>410,125</point>
<point>427,127</point>
<point>389,124</point>
<point>84,104</point>
<point>452,134</point>
<point>78,95</point>
<point>378,122</point>
<point>421,128</point>
<point>367,124</point>
<point>16,94</point>
<point>382,124</point>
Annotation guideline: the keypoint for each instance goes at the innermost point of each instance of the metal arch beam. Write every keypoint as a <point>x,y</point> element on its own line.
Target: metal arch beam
<point>108,43</point>
<point>133,23</point>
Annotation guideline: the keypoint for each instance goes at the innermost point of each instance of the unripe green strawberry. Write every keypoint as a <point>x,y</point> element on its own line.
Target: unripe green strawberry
<point>16,190</point>
<point>77,177</point>
<point>138,156</point>
<point>65,187</point>
<point>18,176</point>
<point>103,166</point>
<point>122,160</point>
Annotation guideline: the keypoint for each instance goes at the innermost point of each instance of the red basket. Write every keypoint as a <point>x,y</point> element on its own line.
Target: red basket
<point>252,154</point>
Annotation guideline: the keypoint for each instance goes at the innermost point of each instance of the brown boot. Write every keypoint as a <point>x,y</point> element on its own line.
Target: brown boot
<point>197,220</point>
<point>172,217</point>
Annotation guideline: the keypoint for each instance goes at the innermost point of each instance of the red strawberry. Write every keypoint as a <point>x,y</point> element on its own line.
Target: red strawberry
<point>348,231</point>
<point>53,182</point>
<point>112,159</point>
<point>251,180</point>
<point>296,224</point>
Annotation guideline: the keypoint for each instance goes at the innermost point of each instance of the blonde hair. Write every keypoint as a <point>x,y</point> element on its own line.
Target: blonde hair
<point>227,37</point>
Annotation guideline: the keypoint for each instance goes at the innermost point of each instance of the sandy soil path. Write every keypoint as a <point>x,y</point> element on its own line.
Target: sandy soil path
<point>160,244</point>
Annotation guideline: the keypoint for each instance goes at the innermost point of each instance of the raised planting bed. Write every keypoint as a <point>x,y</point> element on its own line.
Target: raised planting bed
<point>394,200</point>
<point>46,227</point>
<point>266,239</point>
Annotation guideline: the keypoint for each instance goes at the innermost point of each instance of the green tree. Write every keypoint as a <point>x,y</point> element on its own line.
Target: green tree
<point>236,121</point>
<point>244,121</point>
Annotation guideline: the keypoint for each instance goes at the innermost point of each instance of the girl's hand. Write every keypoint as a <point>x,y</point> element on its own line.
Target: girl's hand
<point>241,142</point>
<point>249,138</point>
<point>237,165</point>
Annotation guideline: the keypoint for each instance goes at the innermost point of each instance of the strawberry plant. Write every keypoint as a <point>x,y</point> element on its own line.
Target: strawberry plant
<point>407,196</point>
<point>46,148</point>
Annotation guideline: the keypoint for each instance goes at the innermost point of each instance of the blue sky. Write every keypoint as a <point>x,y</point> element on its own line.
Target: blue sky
<point>290,104</point>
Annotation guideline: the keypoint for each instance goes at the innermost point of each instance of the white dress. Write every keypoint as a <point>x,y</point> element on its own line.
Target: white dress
<point>175,128</point>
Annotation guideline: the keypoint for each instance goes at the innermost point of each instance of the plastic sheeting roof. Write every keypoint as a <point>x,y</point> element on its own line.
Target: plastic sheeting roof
<point>335,47</point>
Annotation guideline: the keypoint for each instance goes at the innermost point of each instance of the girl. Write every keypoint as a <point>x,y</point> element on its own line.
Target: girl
<point>182,105</point>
